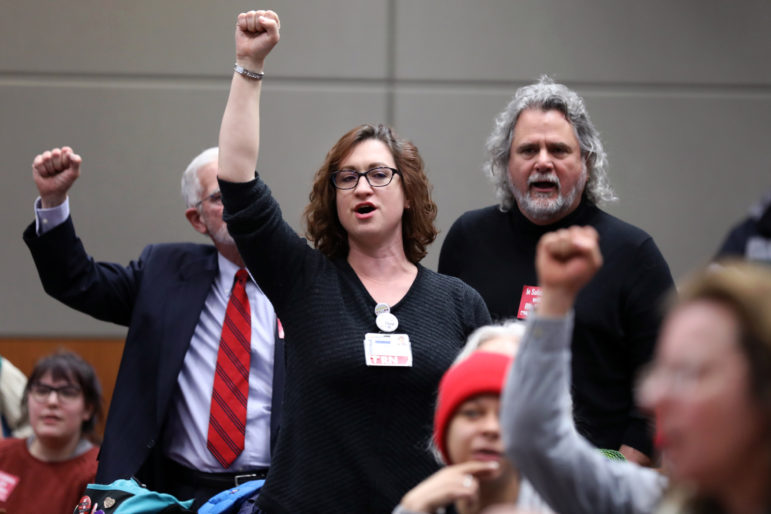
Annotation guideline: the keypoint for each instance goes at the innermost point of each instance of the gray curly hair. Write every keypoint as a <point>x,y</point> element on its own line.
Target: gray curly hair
<point>547,95</point>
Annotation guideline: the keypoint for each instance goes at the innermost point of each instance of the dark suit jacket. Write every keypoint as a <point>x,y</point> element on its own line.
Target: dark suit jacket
<point>159,297</point>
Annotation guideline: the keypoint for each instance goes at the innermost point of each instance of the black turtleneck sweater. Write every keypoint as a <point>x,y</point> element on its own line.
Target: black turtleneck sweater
<point>617,314</point>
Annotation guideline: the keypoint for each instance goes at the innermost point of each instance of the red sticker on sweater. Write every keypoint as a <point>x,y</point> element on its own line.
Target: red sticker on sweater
<point>531,296</point>
<point>7,483</point>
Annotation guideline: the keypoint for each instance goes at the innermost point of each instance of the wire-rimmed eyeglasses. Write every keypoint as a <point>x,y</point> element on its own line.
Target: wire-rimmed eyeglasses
<point>215,198</point>
<point>380,176</point>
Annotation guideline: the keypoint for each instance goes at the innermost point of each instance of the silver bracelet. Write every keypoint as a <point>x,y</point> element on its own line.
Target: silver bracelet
<point>254,75</point>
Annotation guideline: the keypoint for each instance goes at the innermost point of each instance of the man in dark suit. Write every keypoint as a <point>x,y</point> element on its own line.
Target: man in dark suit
<point>174,300</point>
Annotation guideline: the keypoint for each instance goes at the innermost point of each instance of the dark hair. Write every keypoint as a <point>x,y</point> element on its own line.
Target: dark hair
<point>323,227</point>
<point>69,366</point>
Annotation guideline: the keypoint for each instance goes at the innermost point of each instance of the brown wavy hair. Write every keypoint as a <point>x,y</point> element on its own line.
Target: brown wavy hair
<point>322,226</point>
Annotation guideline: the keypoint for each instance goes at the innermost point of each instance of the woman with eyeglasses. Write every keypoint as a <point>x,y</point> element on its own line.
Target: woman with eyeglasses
<point>708,387</point>
<point>49,471</point>
<point>369,331</point>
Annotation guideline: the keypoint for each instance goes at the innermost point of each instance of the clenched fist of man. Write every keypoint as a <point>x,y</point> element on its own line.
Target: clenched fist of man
<point>54,172</point>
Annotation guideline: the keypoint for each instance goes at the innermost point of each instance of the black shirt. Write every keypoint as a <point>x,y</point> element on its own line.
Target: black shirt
<point>617,314</point>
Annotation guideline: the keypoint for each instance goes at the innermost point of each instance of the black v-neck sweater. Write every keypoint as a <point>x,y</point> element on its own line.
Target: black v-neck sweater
<point>353,438</point>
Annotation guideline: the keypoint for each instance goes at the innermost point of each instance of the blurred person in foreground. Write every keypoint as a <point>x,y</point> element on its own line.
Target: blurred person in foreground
<point>709,388</point>
<point>48,471</point>
<point>13,382</point>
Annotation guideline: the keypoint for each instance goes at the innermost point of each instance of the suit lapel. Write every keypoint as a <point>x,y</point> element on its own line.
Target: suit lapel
<point>184,300</point>
<point>185,296</point>
<point>278,388</point>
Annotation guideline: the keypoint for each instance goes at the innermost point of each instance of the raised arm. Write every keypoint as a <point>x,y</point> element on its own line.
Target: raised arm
<point>103,290</point>
<point>539,433</point>
<point>257,32</point>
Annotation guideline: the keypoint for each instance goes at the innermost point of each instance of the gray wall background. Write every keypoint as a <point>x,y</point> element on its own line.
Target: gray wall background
<point>680,90</point>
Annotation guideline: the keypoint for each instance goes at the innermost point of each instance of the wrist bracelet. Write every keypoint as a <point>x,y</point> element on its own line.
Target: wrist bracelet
<point>254,75</point>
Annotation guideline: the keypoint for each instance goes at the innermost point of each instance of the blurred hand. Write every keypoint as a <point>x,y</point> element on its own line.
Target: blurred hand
<point>634,455</point>
<point>566,260</point>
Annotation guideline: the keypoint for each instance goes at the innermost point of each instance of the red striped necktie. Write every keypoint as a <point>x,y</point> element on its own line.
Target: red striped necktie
<point>227,418</point>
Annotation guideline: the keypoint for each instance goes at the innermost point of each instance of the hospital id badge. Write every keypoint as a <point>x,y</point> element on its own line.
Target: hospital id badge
<point>387,350</point>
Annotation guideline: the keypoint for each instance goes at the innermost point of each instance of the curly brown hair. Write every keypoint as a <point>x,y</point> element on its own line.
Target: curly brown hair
<point>322,226</point>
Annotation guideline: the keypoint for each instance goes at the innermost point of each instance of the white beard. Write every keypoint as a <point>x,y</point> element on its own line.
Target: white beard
<point>545,207</point>
<point>222,236</point>
<point>219,235</point>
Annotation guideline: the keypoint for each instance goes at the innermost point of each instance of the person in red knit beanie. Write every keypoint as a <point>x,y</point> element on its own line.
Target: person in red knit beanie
<point>467,436</point>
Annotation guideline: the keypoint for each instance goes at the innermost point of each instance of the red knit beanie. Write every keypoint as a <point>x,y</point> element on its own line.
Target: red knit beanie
<point>482,372</point>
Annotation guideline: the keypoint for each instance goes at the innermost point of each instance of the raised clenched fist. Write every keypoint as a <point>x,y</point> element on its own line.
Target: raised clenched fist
<point>257,32</point>
<point>54,172</point>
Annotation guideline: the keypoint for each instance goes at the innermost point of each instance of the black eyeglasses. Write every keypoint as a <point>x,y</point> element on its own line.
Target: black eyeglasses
<point>215,198</point>
<point>376,177</point>
<point>41,392</point>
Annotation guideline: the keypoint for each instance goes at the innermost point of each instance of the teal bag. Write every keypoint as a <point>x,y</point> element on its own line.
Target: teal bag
<point>128,497</point>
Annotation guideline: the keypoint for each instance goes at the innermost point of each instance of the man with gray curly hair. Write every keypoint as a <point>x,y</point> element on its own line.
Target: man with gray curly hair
<point>549,169</point>
<point>593,178</point>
